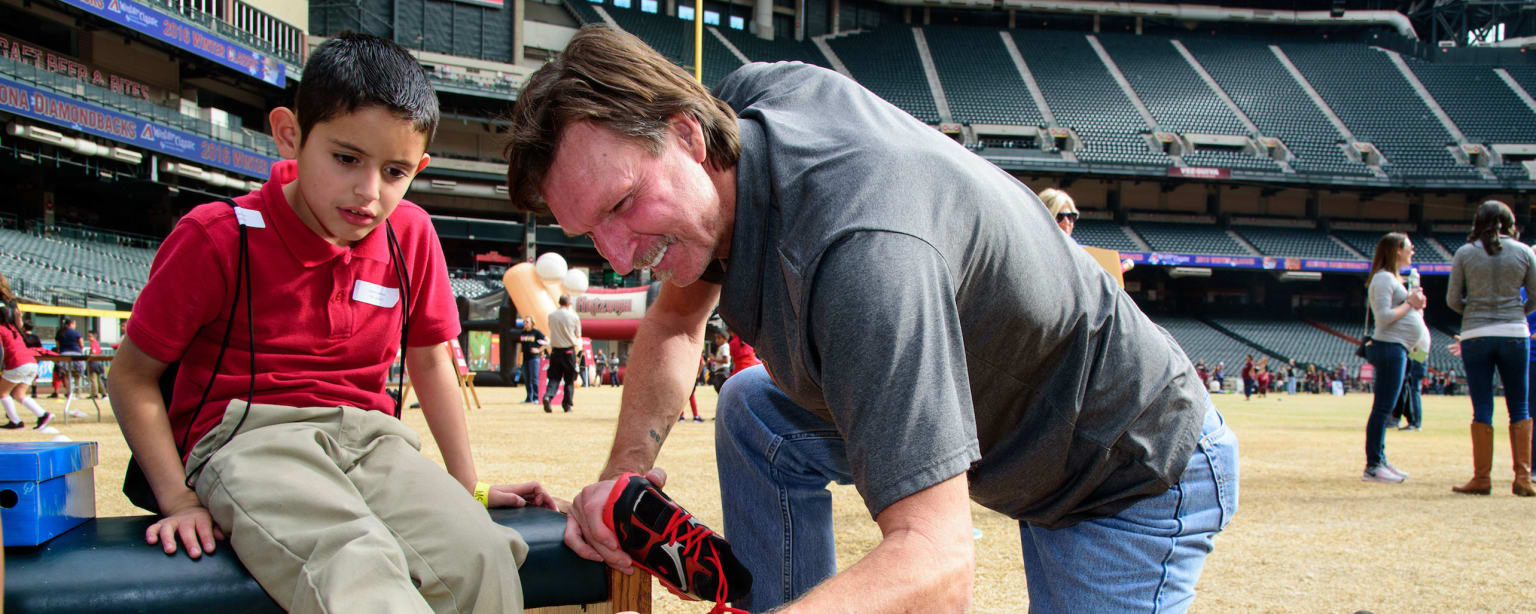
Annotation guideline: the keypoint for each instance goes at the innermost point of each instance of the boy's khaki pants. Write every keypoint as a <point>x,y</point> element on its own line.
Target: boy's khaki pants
<point>334,509</point>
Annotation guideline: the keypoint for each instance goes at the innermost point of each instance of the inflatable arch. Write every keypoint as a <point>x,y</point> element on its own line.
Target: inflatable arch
<point>606,313</point>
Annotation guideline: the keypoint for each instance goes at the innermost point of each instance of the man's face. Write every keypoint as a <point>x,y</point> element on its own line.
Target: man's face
<point>353,170</point>
<point>660,212</point>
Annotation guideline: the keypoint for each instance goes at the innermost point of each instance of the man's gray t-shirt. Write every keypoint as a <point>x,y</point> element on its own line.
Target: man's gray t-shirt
<point>923,301</point>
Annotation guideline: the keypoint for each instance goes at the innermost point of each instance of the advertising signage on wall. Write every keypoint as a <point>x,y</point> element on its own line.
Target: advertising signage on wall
<point>183,34</point>
<point>91,119</point>
<point>27,53</point>
<point>495,4</point>
<point>1267,263</point>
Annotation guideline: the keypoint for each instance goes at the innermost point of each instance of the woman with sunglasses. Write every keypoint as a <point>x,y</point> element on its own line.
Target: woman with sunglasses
<point>1062,207</point>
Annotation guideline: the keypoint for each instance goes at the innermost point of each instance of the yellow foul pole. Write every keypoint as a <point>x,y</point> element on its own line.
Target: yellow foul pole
<point>698,40</point>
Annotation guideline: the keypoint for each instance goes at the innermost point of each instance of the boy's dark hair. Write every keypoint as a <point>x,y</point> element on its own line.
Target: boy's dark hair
<point>355,70</point>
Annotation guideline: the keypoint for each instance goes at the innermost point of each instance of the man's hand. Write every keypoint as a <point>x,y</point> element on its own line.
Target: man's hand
<point>585,532</point>
<point>190,521</point>
<point>523,495</point>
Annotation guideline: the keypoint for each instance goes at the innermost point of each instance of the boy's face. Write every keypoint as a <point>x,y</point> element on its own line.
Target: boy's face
<point>353,170</point>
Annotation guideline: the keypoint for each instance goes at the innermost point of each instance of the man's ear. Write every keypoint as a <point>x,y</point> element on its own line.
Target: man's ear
<point>285,131</point>
<point>690,134</point>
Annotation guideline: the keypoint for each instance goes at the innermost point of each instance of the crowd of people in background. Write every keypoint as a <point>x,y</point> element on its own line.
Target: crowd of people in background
<point>1310,378</point>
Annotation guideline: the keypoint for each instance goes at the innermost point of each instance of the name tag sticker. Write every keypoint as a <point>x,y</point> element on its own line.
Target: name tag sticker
<point>249,217</point>
<point>375,294</point>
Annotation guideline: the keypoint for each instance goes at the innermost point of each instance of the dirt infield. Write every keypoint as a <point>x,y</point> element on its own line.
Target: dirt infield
<point>1309,537</point>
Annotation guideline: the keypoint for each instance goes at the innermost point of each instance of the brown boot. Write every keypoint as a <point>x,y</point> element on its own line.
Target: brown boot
<point>1482,460</point>
<point>1520,450</point>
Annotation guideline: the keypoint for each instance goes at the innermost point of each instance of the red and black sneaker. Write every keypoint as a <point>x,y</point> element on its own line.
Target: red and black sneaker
<point>688,558</point>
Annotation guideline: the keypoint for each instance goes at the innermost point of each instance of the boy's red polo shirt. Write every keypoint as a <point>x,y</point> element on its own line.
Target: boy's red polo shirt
<point>322,339</point>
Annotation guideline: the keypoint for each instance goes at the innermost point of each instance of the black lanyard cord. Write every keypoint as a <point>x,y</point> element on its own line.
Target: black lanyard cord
<point>242,277</point>
<point>402,273</point>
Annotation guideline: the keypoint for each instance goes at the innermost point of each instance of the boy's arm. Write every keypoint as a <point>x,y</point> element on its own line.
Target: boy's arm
<point>435,379</point>
<point>141,415</point>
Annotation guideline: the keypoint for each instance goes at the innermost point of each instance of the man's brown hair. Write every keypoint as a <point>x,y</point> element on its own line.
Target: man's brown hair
<point>614,79</point>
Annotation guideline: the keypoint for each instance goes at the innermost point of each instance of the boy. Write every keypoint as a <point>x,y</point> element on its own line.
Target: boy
<point>323,493</point>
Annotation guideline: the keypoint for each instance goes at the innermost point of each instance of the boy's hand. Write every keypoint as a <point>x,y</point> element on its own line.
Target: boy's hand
<point>523,495</point>
<point>192,523</point>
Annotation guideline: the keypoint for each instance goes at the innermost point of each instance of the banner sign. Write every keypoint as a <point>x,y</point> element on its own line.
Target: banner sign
<point>183,34</point>
<point>1197,172</point>
<point>1267,263</point>
<point>88,118</point>
<point>26,53</point>
<point>491,4</point>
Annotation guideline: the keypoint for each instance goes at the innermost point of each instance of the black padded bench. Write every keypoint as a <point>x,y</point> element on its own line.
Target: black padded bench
<point>104,566</point>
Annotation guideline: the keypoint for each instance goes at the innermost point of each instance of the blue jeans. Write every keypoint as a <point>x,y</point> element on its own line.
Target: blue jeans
<point>1510,357</point>
<point>1390,361</point>
<point>776,460</point>
<point>1411,382</point>
<point>532,373</point>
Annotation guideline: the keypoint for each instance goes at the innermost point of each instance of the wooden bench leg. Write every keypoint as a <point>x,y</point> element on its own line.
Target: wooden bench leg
<point>630,593</point>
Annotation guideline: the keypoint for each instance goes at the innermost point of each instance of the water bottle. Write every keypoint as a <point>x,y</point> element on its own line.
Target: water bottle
<point>1413,279</point>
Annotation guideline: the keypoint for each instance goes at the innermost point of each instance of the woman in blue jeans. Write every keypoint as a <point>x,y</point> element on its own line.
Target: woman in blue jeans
<point>1487,276</point>
<point>1399,315</point>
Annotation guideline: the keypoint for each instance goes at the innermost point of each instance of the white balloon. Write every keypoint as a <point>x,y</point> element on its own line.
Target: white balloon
<point>575,281</point>
<point>550,266</point>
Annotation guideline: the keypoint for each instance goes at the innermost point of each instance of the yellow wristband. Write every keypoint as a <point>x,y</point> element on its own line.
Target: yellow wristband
<point>483,493</point>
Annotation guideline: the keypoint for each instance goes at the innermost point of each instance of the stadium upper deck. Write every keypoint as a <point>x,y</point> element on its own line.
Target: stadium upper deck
<point>1285,111</point>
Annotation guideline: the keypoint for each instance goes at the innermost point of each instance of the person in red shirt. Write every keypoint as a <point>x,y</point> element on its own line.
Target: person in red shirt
<point>290,445</point>
<point>20,366</point>
<point>742,355</point>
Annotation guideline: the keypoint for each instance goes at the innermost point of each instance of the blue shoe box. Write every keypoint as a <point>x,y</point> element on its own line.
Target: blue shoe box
<point>46,488</point>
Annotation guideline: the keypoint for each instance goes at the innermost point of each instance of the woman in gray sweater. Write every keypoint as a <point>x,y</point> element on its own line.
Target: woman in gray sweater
<point>1399,315</point>
<point>1487,276</point>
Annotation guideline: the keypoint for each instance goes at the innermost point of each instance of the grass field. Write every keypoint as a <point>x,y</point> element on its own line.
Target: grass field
<point>1309,535</point>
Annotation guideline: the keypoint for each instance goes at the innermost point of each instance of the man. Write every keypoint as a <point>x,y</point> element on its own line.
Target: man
<point>832,227</point>
<point>564,337</point>
<point>534,345</point>
<point>68,344</point>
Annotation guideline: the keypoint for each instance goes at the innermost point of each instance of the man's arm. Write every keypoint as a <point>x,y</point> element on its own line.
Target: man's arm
<point>141,415</point>
<point>925,561</point>
<point>661,365</point>
<point>434,377</point>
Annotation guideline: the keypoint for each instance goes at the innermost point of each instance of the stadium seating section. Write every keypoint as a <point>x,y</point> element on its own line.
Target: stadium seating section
<point>79,268</point>
<point>1294,242</point>
<point>1378,105</point>
<point>886,62</point>
<point>1189,239</point>
<point>1201,342</point>
<point>982,85</point>
<point>1364,241</point>
<point>1107,235</point>
<point>1084,97</point>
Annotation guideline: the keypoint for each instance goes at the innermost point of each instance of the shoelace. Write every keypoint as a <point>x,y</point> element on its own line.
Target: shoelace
<point>692,542</point>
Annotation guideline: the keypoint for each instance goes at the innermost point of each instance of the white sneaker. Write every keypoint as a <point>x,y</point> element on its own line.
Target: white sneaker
<point>75,413</point>
<point>1394,469</point>
<point>1380,473</point>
